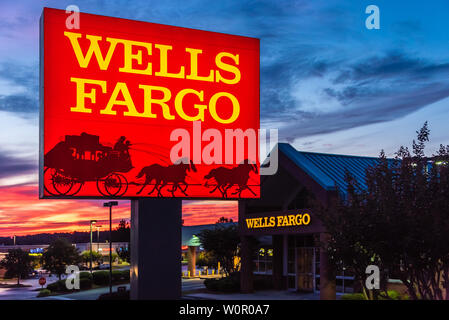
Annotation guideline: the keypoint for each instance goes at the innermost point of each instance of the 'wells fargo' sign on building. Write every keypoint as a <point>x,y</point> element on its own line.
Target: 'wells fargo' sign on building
<point>135,109</point>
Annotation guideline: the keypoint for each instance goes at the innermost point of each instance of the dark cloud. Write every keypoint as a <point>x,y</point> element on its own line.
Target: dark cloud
<point>364,112</point>
<point>25,78</point>
<point>19,103</point>
<point>11,166</point>
<point>370,90</point>
<point>393,65</point>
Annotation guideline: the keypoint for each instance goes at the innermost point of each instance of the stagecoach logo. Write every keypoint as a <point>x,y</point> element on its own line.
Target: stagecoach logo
<point>134,109</point>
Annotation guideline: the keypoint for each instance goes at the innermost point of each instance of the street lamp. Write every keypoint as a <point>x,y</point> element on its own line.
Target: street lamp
<point>92,222</point>
<point>98,237</point>
<point>110,204</point>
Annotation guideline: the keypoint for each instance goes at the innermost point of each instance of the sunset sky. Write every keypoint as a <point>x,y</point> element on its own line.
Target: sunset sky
<point>327,83</point>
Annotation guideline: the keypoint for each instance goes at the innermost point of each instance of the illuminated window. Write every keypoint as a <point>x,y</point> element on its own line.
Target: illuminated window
<point>263,261</point>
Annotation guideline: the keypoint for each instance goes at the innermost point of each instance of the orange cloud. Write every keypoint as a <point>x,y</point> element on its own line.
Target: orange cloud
<point>22,212</point>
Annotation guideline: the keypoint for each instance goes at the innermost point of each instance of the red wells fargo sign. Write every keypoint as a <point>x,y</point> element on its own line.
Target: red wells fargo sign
<point>136,109</point>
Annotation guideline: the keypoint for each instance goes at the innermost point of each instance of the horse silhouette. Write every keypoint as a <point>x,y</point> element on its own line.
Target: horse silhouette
<point>175,173</point>
<point>228,177</point>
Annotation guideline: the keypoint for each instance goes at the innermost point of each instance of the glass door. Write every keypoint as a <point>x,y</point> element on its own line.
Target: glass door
<point>305,269</point>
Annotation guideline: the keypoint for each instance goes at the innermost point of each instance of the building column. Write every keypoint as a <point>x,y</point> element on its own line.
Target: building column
<point>246,271</point>
<point>191,260</point>
<point>327,274</point>
<point>278,246</point>
<point>155,249</point>
<point>246,254</point>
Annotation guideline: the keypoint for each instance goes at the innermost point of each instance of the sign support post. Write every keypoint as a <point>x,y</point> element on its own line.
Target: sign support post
<point>156,249</point>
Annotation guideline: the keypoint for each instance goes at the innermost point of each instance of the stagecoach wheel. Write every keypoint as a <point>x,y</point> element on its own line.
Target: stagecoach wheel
<point>124,184</point>
<point>77,185</point>
<point>100,185</point>
<point>48,173</point>
<point>61,183</point>
<point>112,184</point>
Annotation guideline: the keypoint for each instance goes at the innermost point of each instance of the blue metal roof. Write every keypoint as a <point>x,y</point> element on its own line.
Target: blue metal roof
<point>329,170</point>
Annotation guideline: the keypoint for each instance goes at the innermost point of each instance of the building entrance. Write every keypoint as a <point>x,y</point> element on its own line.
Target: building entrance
<point>305,272</point>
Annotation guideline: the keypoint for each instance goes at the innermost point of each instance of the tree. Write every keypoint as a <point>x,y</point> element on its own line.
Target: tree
<point>96,257</point>
<point>59,255</point>
<point>223,243</point>
<point>400,222</point>
<point>17,264</point>
<point>224,220</point>
<point>122,233</point>
<point>124,253</point>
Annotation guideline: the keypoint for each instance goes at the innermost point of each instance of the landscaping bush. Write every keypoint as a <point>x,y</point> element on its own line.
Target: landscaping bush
<point>101,277</point>
<point>120,275</point>
<point>115,296</point>
<point>228,284</point>
<point>58,286</point>
<point>353,296</point>
<point>211,284</point>
<point>392,294</point>
<point>86,275</point>
<point>126,274</point>
<point>44,293</point>
<point>85,283</point>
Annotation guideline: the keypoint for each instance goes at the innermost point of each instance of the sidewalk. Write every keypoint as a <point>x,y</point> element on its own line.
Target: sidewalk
<point>258,295</point>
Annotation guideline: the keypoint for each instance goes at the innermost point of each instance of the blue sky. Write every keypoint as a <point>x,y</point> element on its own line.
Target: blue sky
<point>327,83</point>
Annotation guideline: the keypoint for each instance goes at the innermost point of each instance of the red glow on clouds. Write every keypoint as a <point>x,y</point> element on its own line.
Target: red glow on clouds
<point>22,213</point>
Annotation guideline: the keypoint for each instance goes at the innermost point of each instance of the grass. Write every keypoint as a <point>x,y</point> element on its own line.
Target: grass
<point>94,286</point>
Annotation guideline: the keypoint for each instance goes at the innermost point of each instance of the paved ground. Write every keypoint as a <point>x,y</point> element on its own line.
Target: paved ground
<point>27,293</point>
<point>84,295</point>
<point>188,285</point>
<point>259,295</point>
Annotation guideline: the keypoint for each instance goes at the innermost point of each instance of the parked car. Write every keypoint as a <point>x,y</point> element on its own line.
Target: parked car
<point>33,274</point>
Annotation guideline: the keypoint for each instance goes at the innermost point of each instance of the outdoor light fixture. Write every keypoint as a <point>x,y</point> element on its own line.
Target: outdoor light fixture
<point>110,204</point>
<point>98,236</point>
<point>92,222</point>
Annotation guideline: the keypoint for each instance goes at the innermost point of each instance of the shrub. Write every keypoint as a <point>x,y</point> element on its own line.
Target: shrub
<point>53,286</point>
<point>126,274</point>
<point>115,296</point>
<point>227,284</point>
<point>117,275</point>
<point>44,293</point>
<point>58,286</point>
<point>85,283</point>
<point>86,275</point>
<point>353,296</point>
<point>211,284</point>
<point>392,294</point>
<point>101,277</point>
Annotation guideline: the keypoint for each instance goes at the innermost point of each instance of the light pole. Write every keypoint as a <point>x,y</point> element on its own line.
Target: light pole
<point>110,204</point>
<point>98,237</point>
<point>92,222</point>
